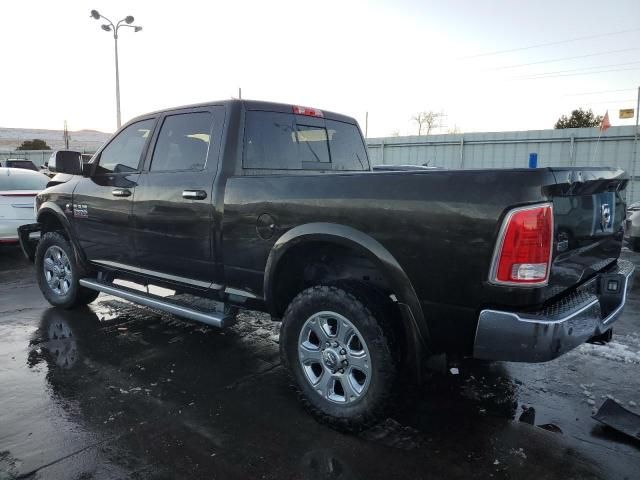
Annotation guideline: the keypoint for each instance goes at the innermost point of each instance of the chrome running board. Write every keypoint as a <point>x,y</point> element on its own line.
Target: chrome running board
<point>215,319</point>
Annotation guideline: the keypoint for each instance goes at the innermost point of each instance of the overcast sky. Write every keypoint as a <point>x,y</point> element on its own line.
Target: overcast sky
<point>390,58</point>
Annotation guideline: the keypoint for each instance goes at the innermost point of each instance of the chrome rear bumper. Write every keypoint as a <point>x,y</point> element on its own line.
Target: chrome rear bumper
<point>546,334</point>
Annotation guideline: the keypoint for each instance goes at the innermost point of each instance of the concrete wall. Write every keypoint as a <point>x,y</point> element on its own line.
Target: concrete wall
<point>38,157</point>
<point>567,147</point>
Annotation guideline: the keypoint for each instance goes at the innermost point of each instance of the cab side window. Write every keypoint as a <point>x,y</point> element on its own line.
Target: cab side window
<point>122,154</point>
<point>183,142</point>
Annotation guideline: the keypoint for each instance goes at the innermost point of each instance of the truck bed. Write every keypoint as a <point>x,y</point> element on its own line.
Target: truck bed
<point>440,225</point>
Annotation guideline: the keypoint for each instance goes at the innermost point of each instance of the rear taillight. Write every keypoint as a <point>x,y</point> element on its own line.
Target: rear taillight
<point>309,112</point>
<point>523,252</point>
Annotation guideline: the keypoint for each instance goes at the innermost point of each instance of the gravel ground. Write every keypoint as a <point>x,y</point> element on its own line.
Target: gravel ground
<point>121,391</point>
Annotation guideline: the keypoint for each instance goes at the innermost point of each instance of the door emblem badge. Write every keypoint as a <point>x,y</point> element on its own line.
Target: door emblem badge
<point>80,210</point>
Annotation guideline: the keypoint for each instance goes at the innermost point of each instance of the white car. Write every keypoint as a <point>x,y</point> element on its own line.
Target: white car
<point>18,190</point>
<point>632,230</point>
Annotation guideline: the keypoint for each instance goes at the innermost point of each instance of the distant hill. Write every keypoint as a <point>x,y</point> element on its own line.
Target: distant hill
<point>83,140</point>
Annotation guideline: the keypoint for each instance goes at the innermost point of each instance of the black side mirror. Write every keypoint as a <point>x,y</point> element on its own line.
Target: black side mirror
<point>66,161</point>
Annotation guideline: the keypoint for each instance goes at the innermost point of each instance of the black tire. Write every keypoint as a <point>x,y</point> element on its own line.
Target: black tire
<point>75,295</point>
<point>367,312</point>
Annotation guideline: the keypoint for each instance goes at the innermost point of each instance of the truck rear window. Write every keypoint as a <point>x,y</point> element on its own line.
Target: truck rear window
<point>281,141</point>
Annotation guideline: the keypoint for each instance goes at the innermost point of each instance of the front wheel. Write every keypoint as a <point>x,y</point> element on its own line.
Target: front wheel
<point>58,273</point>
<point>339,349</point>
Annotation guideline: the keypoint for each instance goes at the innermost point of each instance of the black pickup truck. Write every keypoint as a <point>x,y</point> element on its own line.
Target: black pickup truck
<point>274,207</point>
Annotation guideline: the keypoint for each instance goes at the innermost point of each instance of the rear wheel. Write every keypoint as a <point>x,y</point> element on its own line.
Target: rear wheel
<point>58,273</point>
<point>338,348</point>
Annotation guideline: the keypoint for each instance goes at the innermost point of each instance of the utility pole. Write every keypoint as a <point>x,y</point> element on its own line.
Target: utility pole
<point>366,124</point>
<point>239,93</point>
<point>65,136</point>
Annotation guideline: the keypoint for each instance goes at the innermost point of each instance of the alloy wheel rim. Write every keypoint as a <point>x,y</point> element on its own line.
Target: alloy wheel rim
<point>57,270</point>
<point>334,357</point>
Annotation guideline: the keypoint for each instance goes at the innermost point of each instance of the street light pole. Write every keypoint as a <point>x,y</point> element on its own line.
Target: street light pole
<point>115,39</point>
<point>110,27</point>
<point>632,174</point>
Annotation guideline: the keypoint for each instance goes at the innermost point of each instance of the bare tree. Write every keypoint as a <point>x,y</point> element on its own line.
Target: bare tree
<point>395,133</point>
<point>455,130</point>
<point>427,120</point>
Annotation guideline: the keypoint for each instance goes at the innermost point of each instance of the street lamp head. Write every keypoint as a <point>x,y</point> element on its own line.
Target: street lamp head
<point>106,28</point>
<point>137,29</point>
<point>95,14</point>
<point>129,19</point>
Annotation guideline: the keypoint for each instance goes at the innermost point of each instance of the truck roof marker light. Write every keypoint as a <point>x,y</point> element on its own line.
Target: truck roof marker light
<point>309,112</point>
<point>523,253</point>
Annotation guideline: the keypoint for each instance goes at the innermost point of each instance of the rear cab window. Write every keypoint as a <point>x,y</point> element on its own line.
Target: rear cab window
<point>285,141</point>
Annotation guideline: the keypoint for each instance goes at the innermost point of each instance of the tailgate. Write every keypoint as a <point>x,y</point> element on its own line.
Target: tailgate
<point>589,214</point>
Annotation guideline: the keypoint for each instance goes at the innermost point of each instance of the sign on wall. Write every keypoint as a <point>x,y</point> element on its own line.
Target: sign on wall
<point>627,113</point>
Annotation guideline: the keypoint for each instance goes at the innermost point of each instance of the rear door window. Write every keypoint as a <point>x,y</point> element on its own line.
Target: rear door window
<point>183,142</point>
<point>281,141</point>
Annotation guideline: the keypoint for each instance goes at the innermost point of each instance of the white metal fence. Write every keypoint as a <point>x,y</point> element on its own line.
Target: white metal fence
<point>567,147</point>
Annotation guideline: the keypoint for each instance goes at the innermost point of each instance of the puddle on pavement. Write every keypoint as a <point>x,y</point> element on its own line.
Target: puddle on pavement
<point>163,398</point>
<point>184,399</point>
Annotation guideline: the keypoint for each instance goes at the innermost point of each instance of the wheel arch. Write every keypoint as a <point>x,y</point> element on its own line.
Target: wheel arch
<point>52,218</point>
<point>363,244</point>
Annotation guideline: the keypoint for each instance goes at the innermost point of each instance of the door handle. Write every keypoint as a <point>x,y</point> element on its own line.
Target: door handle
<point>194,194</point>
<point>121,192</point>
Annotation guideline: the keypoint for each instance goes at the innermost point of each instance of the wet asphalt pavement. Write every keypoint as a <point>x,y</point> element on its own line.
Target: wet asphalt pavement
<point>120,391</point>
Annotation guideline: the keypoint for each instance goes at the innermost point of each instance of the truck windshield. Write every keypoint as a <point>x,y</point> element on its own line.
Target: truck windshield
<point>281,141</point>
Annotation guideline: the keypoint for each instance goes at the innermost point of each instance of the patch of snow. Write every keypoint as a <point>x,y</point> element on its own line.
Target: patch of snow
<point>614,351</point>
<point>518,453</point>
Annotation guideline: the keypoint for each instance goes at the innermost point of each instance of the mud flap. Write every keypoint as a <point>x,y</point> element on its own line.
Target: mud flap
<point>603,338</point>
<point>28,244</point>
<point>619,418</point>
